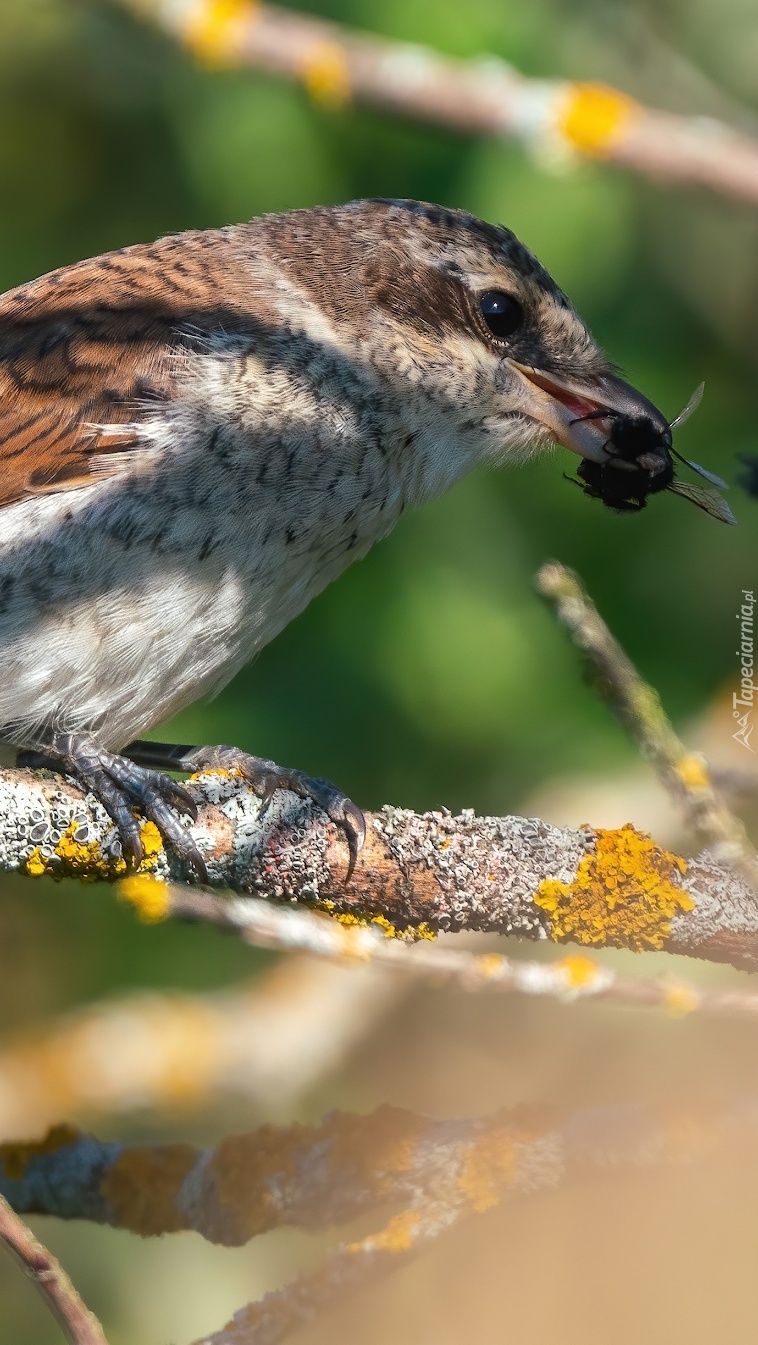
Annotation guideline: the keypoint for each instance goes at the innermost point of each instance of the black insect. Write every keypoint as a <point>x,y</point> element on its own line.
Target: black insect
<point>641,463</point>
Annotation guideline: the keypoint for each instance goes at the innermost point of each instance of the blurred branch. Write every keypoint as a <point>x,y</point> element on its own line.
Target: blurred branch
<point>265,925</point>
<point>482,96</point>
<point>79,1325</point>
<point>418,874</point>
<point>273,1041</point>
<point>684,773</point>
<point>433,1172</point>
<point>268,1043</point>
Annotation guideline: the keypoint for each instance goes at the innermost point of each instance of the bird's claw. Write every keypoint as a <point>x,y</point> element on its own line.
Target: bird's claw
<point>120,785</point>
<point>266,778</point>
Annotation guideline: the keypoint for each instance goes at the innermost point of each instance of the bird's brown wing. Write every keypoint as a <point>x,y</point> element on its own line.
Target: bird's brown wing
<point>92,345</point>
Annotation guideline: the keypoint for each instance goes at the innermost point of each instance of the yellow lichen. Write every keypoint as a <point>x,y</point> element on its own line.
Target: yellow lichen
<point>84,860</point>
<point>396,1236</point>
<point>490,1164</point>
<point>373,1151</point>
<point>325,74</point>
<point>577,971</point>
<point>681,1000</point>
<point>15,1157</point>
<point>36,864</point>
<point>349,920</point>
<point>152,846</point>
<point>490,965</point>
<point>142,1185</point>
<point>593,117</point>
<point>625,894</point>
<point>693,771</point>
<point>212,29</point>
<point>148,895</point>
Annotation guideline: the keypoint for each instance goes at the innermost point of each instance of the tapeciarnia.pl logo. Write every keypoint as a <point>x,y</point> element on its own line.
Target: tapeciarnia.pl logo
<point>744,700</point>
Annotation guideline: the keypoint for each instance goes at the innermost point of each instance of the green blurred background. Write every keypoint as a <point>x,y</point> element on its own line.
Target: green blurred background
<point>430,673</point>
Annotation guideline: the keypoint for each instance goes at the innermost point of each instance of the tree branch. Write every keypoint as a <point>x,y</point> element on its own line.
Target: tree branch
<point>482,96</point>
<point>79,1325</point>
<point>266,925</point>
<point>433,1172</point>
<point>418,874</point>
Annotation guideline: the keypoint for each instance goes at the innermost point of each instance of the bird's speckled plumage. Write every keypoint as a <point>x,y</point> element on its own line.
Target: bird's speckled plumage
<point>198,435</point>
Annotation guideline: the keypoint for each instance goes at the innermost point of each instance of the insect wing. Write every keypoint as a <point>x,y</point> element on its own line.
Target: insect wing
<point>691,406</point>
<point>702,471</point>
<point>708,500</point>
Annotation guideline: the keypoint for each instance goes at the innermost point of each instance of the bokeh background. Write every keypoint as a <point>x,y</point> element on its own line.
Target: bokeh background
<point>431,673</point>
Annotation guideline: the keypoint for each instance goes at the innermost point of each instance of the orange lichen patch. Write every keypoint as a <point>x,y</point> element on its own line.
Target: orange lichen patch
<point>681,1000</point>
<point>241,1169</point>
<point>396,1236</point>
<point>372,1151</point>
<point>490,965</point>
<point>625,894</point>
<point>149,896</point>
<point>593,117</point>
<point>16,1156</point>
<point>325,74</point>
<point>489,1167</point>
<point>693,771</point>
<point>142,1185</point>
<point>578,971</point>
<point>213,29</point>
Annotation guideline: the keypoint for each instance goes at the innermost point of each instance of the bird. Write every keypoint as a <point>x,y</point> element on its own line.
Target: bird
<point>198,435</point>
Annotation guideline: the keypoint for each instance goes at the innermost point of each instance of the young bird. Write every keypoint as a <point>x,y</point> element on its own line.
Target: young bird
<point>198,435</point>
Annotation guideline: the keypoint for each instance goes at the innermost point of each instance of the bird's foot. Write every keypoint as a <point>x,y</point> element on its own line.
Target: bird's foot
<point>121,785</point>
<point>265,777</point>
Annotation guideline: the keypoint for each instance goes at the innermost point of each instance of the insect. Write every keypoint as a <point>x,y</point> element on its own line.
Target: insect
<point>641,464</point>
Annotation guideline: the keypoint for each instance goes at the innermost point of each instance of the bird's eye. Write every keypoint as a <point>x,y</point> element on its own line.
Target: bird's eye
<point>502,313</point>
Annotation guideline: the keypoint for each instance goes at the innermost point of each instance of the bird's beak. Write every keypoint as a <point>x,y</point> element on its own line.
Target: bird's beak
<point>563,407</point>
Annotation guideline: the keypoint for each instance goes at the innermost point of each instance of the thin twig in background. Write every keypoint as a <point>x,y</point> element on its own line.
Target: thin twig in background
<point>483,96</point>
<point>79,1325</point>
<point>684,773</point>
<point>269,1043</point>
<point>265,925</point>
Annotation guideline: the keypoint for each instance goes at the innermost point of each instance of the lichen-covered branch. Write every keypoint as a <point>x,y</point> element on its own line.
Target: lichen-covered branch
<point>684,773</point>
<point>418,874</point>
<point>483,96</point>
<point>79,1325</point>
<point>431,1172</point>
<point>311,1177</point>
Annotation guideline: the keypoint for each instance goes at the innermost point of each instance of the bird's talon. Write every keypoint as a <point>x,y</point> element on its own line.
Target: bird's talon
<point>355,822</point>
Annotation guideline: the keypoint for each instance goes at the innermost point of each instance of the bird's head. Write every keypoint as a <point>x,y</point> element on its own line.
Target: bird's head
<point>460,312</point>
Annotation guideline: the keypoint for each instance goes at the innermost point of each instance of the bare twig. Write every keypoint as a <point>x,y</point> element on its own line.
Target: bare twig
<point>684,773</point>
<point>483,96</point>
<point>79,1325</point>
